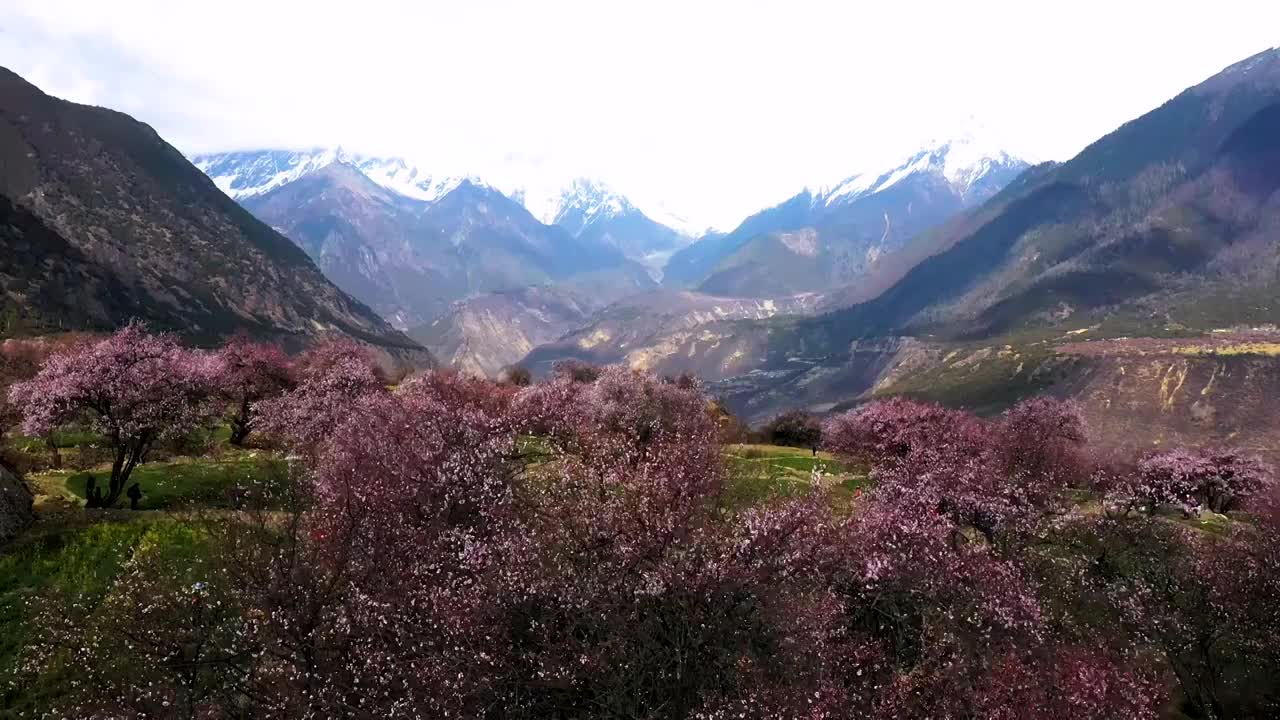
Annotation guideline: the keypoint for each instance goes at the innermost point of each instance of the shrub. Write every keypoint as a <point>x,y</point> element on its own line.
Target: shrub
<point>795,428</point>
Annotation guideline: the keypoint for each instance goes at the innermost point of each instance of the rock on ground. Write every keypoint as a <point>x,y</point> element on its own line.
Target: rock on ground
<point>16,512</point>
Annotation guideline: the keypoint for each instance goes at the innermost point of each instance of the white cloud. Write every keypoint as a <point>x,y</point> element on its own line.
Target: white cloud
<point>716,108</point>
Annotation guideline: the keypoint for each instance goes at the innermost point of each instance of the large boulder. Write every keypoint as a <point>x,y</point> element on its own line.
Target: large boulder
<point>16,512</point>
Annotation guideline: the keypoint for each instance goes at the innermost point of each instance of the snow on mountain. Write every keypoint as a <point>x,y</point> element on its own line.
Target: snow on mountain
<point>249,173</point>
<point>591,210</point>
<point>963,161</point>
<point>658,212</point>
<point>585,201</point>
<point>548,200</point>
<point>246,174</point>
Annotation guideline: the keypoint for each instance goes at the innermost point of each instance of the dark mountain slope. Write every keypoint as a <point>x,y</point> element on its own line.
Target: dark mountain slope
<point>1165,209</point>
<point>49,285</point>
<point>155,233</point>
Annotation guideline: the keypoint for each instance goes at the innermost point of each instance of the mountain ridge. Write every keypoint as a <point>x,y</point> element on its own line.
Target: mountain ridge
<point>411,259</point>
<point>114,204</point>
<point>251,173</point>
<point>830,236</point>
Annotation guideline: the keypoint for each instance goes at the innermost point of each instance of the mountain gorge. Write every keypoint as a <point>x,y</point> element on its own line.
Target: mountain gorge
<point>645,331</point>
<point>1167,225</point>
<point>485,334</point>
<point>462,262</point>
<point>104,222</point>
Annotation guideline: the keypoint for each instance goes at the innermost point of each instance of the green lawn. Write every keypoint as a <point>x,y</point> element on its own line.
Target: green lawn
<point>83,553</point>
<point>762,473</point>
<point>63,439</point>
<point>170,485</point>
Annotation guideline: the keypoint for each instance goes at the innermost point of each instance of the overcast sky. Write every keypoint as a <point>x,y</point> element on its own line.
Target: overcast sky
<point>716,108</point>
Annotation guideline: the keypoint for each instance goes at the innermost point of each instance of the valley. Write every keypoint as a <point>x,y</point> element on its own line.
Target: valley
<point>467,417</point>
<point>843,292</point>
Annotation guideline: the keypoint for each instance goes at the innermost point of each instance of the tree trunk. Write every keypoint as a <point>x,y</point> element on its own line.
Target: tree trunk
<point>127,458</point>
<point>55,458</point>
<point>240,425</point>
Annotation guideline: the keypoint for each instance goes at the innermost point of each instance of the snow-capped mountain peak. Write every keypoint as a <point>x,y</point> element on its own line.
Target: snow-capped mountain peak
<point>590,199</point>
<point>245,174</point>
<point>961,161</point>
<point>249,173</point>
<point>969,156</point>
<point>595,199</point>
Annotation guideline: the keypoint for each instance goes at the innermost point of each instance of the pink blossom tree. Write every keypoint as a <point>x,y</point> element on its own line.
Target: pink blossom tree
<point>333,377</point>
<point>1196,604</point>
<point>461,548</point>
<point>134,388</point>
<point>20,359</point>
<point>993,478</point>
<point>335,349</point>
<point>248,373</point>
<point>1189,479</point>
<point>640,599</point>
<point>1042,440</point>
<point>890,429</point>
<point>414,515</point>
<point>946,617</point>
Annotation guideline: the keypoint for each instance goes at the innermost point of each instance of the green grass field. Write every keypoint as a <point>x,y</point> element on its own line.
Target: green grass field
<point>758,474</point>
<point>80,552</point>
<point>184,482</point>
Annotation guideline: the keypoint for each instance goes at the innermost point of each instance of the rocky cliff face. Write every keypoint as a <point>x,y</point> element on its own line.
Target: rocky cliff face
<point>1154,394</point>
<point>672,332</point>
<point>483,335</point>
<point>1136,394</point>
